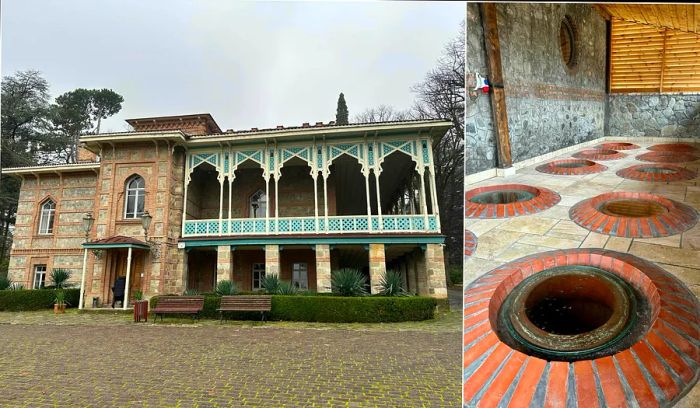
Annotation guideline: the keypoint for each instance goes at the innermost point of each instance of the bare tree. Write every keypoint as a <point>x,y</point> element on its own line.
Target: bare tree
<point>382,113</point>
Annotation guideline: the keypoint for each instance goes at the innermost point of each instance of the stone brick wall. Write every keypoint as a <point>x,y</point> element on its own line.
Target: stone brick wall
<point>654,115</point>
<point>549,106</point>
<point>73,194</point>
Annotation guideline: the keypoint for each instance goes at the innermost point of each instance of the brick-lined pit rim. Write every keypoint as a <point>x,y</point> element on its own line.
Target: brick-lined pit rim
<point>667,157</point>
<point>656,173</point>
<point>599,154</point>
<point>569,167</point>
<point>673,147</point>
<point>618,146</point>
<point>668,218</point>
<point>470,242</point>
<point>657,370</point>
<point>543,198</point>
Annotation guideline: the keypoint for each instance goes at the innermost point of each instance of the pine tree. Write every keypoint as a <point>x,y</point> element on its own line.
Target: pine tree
<point>341,113</point>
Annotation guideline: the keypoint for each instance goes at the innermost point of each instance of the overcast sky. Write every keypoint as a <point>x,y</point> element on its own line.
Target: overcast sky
<point>249,64</point>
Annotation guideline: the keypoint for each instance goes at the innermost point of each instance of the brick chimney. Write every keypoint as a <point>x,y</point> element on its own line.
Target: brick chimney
<point>86,156</point>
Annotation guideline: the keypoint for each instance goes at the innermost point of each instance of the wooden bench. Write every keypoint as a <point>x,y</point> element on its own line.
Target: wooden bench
<point>252,303</point>
<point>179,305</point>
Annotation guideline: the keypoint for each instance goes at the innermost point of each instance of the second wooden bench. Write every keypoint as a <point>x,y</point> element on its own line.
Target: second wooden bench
<point>242,303</point>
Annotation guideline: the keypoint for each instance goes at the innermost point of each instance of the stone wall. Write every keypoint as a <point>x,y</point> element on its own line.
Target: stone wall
<point>73,194</point>
<point>549,105</point>
<point>654,115</point>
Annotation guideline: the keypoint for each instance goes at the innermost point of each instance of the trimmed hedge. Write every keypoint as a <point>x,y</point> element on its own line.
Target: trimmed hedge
<point>34,299</point>
<point>305,308</point>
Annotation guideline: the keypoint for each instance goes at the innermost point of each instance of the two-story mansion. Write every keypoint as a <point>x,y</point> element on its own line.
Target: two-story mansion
<point>178,204</point>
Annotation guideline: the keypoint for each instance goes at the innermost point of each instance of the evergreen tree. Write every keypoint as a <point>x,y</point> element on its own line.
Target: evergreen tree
<point>341,113</point>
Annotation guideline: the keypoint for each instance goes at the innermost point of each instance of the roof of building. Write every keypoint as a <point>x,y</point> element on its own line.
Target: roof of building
<point>116,241</point>
<point>52,168</point>
<point>206,117</point>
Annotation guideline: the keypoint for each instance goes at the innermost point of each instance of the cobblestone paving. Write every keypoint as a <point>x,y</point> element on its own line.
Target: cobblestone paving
<point>102,360</point>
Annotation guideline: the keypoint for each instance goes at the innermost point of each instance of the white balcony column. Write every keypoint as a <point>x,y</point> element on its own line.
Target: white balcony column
<point>128,278</point>
<point>325,200</point>
<point>230,187</point>
<point>369,204</point>
<point>267,204</point>
<point>379,199</point>
<point>277,205</point>
<point>433,190</point>
<point>315,177</point>
<point>221,202</point>
<point>423,203</point>
<point>184,202</point>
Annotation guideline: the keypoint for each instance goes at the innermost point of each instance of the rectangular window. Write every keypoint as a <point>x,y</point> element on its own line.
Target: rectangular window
<point>300,278</point>
<point>258,275</point>
<point>39,276</point>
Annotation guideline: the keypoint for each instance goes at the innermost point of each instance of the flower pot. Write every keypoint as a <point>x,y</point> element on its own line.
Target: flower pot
<point>56,308</point>
<point>63,308</point>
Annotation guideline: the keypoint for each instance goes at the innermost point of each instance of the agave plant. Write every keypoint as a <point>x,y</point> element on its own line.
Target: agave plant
<point>138,295</point>
<point>5,283</point>
<point>16,286</point>
<point>285,288</point>
<point>270,283</point>
<point>60,277</point>
<point>226,288</point>
<point>392,284</point>
<point>348,282</point>
<point>60,298</point>
<point>191,292</point>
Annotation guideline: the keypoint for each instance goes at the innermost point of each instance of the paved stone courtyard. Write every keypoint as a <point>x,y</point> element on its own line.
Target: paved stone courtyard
<point>104,360</point>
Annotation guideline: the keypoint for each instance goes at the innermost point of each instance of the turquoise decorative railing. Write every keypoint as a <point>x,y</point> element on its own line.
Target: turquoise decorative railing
<point>310,225</point>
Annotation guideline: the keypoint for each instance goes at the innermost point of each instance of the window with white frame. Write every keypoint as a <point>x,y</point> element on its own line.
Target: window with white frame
<point>134,198</point>
<point>258,275</point>
<point>300,277</point>
<point>258,204</point>
<point>39,276</point>
<point>48,213</point>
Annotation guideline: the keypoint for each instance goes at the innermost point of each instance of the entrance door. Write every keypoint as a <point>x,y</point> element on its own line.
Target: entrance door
<point>137,268</point>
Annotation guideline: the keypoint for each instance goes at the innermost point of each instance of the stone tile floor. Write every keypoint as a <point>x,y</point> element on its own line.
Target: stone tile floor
<point>503,240</point>
<point>103,359</point>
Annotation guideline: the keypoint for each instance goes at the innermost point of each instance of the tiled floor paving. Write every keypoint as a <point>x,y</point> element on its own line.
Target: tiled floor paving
<point>104,360</point>
<point>503,240</point>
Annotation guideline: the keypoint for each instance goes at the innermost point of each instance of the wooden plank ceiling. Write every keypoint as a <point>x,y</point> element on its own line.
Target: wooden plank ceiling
<point>683,17</point>
<point>645,58</point>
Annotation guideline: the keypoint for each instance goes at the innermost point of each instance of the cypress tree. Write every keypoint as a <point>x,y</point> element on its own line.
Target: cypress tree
<point>341,113</point>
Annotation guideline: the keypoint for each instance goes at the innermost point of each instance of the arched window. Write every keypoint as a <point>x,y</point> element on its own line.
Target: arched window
<point>48,213</point>
<point>258,205</point>
<point>135,197</point>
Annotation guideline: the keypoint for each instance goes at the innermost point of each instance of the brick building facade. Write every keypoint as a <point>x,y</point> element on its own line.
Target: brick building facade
<point>294,201</point>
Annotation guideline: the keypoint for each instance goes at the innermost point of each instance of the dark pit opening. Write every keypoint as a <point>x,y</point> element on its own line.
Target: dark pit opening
<point>657,170</point>
<point>573,165</point>
<point>636,208</point>
<point>605,152</point>
<point>570,304</point>
<point>502,197</point>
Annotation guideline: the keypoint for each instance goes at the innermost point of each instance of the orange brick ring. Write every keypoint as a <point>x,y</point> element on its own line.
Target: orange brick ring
<point>508,200</point>
<point>570,167</point>
<point>664,156</point>
<point>599,154</point>
<point>618,146</point>
<point>633,215</point>
<point>673,147</point>
<point>579,327</point>
<point>656,173</point>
